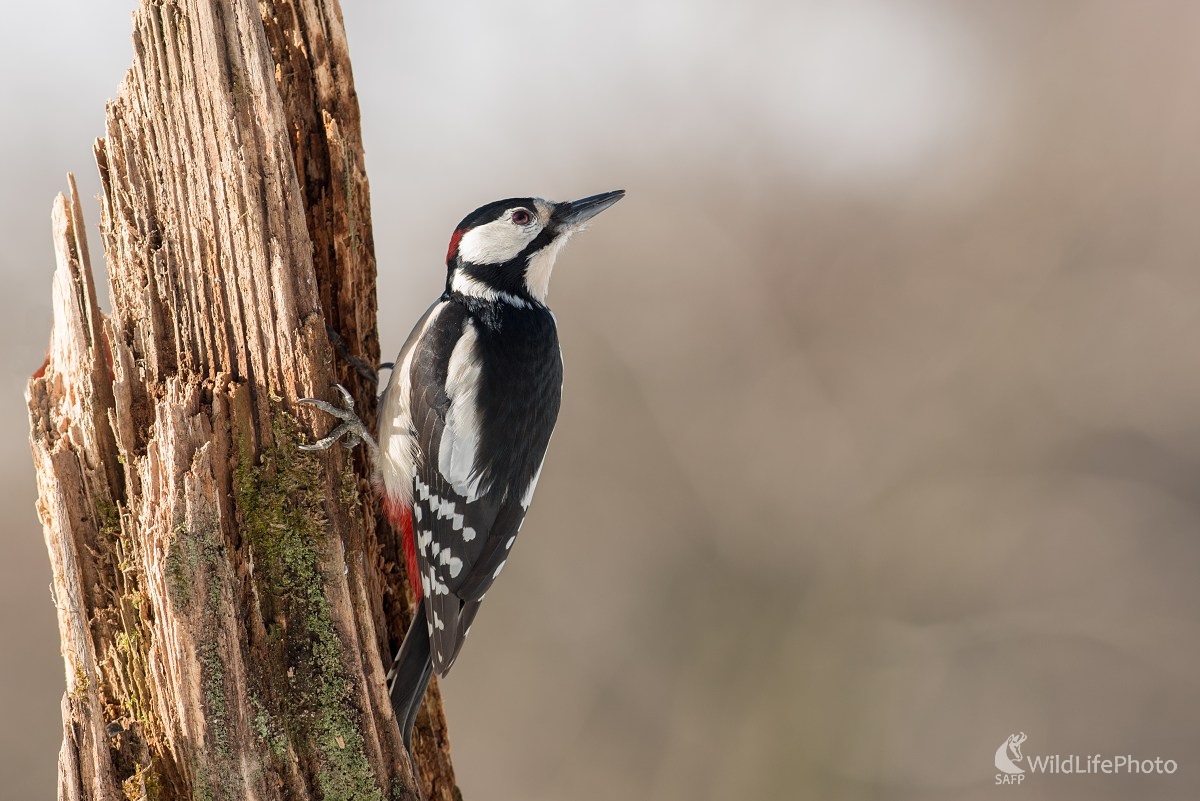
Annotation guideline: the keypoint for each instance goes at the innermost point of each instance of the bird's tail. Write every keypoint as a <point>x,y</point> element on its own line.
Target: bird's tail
<point>410,674</point>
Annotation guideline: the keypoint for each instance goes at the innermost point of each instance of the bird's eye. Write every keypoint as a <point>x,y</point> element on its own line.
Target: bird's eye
<point>521,217</point>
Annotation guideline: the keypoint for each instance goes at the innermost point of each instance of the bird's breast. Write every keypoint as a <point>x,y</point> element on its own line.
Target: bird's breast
<point>520,393</point>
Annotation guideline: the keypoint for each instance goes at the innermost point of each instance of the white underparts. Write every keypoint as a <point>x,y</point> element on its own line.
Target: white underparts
<point>460,437</point>
<point>398,458</point>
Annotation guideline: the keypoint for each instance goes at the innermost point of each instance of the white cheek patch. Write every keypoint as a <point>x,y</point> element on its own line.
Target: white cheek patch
<point>497,242</point>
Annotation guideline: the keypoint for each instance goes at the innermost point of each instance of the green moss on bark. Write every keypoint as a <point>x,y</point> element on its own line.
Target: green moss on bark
<point>183,560</point>
<point>281,504</point>
<point>193,556</point>
<point>143,785</point>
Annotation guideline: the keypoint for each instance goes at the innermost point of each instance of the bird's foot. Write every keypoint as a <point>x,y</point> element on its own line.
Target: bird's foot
<point>351,427</point>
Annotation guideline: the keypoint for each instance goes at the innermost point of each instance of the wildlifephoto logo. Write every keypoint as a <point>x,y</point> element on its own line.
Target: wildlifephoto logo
<point>1009,757</point>
<point>1009,754</point>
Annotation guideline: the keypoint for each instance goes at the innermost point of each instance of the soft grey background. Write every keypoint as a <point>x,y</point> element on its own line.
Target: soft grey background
<point>880,438</point>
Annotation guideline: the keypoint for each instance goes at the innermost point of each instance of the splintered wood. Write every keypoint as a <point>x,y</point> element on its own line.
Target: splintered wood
<point>227,604</point>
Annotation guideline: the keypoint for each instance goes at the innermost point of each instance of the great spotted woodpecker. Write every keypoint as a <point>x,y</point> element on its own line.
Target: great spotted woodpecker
<point>465,421</point>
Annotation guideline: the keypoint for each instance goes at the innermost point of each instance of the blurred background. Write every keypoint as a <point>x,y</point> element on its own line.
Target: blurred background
<point>881,432</point>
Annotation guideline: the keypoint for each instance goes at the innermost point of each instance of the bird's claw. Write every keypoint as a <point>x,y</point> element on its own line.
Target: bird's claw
<point>351,427</point>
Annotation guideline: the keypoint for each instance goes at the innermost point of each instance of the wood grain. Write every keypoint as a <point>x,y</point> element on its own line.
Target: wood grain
<point>226,603</point>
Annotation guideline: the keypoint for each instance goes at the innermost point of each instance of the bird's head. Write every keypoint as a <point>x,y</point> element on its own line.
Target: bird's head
<point>507,248</point>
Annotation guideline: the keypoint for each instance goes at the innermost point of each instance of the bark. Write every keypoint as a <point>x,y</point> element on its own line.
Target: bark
<point>227,604</point>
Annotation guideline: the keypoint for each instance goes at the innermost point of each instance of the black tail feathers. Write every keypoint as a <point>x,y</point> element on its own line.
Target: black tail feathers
<point>410,675</point>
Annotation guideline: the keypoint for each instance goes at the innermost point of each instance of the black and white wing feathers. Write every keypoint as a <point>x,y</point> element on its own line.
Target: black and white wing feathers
<point>463,523</point>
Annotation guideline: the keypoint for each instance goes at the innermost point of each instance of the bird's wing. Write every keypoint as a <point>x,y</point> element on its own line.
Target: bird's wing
<point>463,527</point>
<point>396,430</point>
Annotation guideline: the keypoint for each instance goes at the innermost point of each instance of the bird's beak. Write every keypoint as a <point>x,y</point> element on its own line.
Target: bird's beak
<point>576,212</point>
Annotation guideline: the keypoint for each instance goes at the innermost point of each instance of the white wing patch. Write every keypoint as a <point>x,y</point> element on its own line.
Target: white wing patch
<point>460,437</point>
<point>398,459</point>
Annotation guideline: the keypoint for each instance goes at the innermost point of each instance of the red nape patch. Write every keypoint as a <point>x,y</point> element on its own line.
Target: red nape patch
<point>400,515</point>
<point>452,251</point>
<point>41,371</point>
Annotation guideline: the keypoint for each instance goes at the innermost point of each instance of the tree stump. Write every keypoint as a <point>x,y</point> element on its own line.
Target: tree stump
<point>227,604</point>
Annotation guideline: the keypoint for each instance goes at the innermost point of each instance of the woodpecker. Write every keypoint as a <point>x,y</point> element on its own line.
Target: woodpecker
<point>465,421</point>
